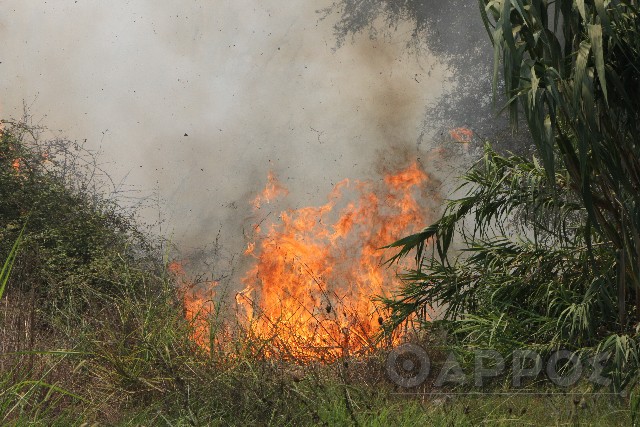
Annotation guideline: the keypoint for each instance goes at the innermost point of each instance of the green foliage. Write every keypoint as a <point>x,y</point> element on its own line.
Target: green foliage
<point>573,68</point>
<point>544,270</point>
<point>550,251</point>
<point>549,285</point>
<point>79,245</point>
<point>79,260</point>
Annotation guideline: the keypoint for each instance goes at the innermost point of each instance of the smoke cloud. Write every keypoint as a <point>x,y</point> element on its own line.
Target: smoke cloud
<point>200,99</point>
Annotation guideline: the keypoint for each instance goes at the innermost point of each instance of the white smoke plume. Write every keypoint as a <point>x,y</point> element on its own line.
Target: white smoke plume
<point>200,99</point>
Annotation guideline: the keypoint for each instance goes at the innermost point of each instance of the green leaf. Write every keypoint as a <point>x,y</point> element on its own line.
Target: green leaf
<point>505,23</point>
<point>580,6</point>
<point>602,14</point>
<point>485,19</point>
<point>496,63</point>
<point>595,34</point>
<point>535,82</point>
<point>9,262</point>
<point>580,72</point>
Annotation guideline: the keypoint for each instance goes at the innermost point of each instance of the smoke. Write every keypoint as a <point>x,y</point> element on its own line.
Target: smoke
<point>200,99</point>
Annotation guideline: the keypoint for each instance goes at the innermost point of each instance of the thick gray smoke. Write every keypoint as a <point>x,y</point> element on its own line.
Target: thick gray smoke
<point>200,99</point>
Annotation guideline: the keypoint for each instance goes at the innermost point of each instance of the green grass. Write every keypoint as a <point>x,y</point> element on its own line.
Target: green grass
<point>388,409</point>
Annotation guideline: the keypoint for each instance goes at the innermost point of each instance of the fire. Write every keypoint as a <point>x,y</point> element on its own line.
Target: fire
<point>272,191</point>
<point>16,164</point>
<point>199,308</point>
<point>198,301</point>
<point>308,292</point>
<point>463,135</point>
<point>250,248</point>
<point>412,176</point>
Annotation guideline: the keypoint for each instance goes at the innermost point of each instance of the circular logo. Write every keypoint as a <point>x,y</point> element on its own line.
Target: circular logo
<point>408,365</point>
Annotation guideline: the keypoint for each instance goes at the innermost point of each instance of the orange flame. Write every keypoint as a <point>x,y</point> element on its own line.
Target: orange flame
<point>272,190</point>
<point>461,134</point>
<point>198,304</point>
<point>315,271</point>
<point>17,164</point>
<point>250,248</point>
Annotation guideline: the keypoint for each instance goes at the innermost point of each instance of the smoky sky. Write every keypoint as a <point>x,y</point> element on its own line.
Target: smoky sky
<point>198,100</point>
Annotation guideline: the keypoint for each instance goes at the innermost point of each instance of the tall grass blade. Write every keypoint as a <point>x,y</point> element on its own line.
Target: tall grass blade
<point>595,33</point>
<point>9,262</point>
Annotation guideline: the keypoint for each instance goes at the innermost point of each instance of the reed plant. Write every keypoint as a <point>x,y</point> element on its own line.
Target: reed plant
<point>548,246</point>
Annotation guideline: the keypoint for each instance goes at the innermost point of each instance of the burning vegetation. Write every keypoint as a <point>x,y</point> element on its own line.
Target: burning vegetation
<point>463,135</point>
<point>199,303</point>
<point>314,270</point>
